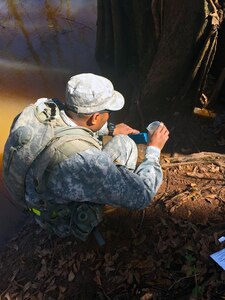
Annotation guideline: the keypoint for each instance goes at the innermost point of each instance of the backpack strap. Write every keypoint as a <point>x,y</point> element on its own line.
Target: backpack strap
<point>79,133</point>
<point>67,141</point>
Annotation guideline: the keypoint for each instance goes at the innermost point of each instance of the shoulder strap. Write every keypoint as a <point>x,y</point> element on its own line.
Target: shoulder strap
<point>72,140</point>
<point>67,141</point>
<point>78,133</point>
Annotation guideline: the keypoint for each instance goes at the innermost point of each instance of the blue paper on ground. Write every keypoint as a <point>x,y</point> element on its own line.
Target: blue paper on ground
<point>219,258</point>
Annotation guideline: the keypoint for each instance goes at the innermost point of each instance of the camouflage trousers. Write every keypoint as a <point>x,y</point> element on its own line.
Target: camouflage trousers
<point>123,151</point>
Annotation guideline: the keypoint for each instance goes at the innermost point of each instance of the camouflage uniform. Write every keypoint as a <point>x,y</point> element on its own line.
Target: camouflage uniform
<point>106,176</point>
<point>64,172</point>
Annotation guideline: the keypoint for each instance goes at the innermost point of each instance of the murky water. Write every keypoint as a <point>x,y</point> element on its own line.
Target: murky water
<point>42,44</point>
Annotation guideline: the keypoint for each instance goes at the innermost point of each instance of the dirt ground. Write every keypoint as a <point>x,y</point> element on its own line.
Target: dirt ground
<point>162,252</point>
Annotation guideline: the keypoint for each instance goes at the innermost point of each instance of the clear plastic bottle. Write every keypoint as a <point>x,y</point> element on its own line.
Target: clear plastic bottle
<point>153,126</point>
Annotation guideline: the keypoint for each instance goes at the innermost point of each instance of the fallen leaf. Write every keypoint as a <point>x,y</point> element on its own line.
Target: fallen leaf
<point>139,240</point>
<point>27,286</point>
<point>62,289</point>
<point>147,296</point>
<point>98,278</point>
<point>7,296</point>
<point>71,276</point>
<point>130,278</point>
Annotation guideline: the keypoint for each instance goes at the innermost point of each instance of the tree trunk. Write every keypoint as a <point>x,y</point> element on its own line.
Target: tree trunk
<point>161,50</point>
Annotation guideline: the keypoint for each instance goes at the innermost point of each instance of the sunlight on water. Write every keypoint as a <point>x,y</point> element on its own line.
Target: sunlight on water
<point>43,43</point>
<point>10,108</point>
<point>23,66</point>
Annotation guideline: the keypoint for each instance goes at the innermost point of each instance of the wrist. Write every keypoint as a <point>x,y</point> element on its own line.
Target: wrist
<point>153,150</point>
<point>111,128</point>
<point>155,145</point>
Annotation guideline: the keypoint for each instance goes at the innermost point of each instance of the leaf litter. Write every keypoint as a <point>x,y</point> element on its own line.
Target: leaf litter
<point>162,252</point>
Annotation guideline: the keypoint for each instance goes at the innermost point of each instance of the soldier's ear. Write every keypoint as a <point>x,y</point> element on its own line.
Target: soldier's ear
<point>94,119</point>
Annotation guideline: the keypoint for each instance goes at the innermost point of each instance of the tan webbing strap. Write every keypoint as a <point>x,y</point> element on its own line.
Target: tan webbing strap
<point>70,140</point>
<point>66,143</point>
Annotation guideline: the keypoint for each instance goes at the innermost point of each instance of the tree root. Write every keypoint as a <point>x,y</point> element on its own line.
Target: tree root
<point>202,157</point>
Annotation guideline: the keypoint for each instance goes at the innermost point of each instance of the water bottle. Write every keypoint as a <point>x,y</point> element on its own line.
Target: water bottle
<point>153,126</point>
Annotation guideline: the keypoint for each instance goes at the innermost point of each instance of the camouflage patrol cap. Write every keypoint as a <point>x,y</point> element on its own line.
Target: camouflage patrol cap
<point>89,93</point>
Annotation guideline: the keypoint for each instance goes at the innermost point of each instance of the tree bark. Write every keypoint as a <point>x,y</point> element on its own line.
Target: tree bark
<point>162,49</point>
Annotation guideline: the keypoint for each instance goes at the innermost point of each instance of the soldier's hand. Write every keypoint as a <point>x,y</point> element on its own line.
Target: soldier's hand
<point>159,137</point>
<point>124,129</point>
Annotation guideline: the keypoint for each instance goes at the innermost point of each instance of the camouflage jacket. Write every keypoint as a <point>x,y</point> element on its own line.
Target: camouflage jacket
<point>91,176</point>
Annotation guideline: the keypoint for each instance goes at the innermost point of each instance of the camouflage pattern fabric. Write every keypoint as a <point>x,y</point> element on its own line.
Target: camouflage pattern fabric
<point>123,151</point>
<point>105,176</point>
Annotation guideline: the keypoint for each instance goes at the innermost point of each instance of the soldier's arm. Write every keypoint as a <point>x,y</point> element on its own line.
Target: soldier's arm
<point>92,176</point>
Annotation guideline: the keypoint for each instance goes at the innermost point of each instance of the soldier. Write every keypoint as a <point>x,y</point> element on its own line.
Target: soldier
<point>66,194</point>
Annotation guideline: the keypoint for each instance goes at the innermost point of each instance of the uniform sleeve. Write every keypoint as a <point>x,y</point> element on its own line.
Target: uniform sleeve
<point>91,176</point>
<point>150,171</point>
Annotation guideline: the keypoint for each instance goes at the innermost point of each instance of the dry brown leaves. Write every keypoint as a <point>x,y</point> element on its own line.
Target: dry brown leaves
<point>160,253</point>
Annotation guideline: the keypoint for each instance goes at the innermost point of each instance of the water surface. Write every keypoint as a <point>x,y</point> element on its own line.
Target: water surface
<point>42,44</point>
